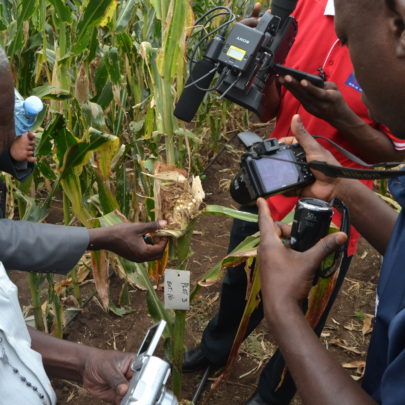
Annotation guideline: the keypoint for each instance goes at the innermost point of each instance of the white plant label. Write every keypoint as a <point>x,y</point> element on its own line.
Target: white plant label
<point>177,289</point>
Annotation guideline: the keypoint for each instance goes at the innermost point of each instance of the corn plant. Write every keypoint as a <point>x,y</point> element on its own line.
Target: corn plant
<point>110,72</point>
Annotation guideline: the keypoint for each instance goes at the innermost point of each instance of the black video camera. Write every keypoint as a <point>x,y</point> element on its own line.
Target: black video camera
<point>269,168</point>
<point>247,60</point>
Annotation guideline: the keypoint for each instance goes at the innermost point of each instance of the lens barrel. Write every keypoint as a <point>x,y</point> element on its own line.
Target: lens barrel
<point>311,223</point>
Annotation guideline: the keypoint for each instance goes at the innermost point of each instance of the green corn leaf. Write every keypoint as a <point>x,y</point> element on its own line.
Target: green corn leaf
<point>124,14</point>
<point>113,65</point>
<point>55,130</point>
<point>251,304</point>
<point>93,15</point>
<point>106,96</point>
<point>62,11</point>
<point>45,169</point>
<point>161,8</point>
<point>101,75</point>
<point>26,10</point>
<point>79,153</point>
<point>94,115</point>
<point>245,249</point>
<point>107,200</point>
<point>33,212</point>
<point>39,17</point>
<point>47,91</point>
<point>5,12</point>
<point>124,295</point>
<point>71,187</point>
<point>124,42</point>
<point>120,311</point>
<point>230,212</point>
<point>170,57</point>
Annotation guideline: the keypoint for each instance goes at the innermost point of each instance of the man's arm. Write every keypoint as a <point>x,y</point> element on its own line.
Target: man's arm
<point>104,373</point>
<point>327,103</point>
<point>47,248</point>
<point>367,211</point>
<point>41,248</point>
<point>286,277</point>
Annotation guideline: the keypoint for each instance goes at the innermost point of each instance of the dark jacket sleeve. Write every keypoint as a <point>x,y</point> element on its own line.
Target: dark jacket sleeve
<point>19,170</point>
<point>392,381</point>
<point>42,248</point>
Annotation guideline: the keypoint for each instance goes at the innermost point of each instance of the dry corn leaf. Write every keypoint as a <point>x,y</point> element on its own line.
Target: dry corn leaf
<point>83,272</point>
<point>59,287</point>
<point>335,321</point>
<point>344,345</point>
<point>351,326</point>
<point>367,325</point>
<point>356,377</point>
<point>358,365</point>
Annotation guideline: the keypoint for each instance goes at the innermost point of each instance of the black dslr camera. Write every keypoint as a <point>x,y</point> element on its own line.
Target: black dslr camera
<point>247,60</point>
<point>269,168</point>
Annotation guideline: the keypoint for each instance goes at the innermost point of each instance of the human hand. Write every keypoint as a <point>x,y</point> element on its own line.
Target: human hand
<point>287,275</point>
<point>253,19</point>
<point>106,374</point>
<point>288,140</point>
<point>324,188</point>
<point>23,147</point>
<point>326,103</point>
<point>127,240</point>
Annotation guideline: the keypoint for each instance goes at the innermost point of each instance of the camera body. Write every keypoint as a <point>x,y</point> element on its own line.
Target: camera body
<point>269,168</point>
<point>248,59</point>
<point>148,385</point>
<point>245,60</point>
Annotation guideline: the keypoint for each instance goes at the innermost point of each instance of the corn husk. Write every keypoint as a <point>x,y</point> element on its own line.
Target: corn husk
<point>178,198</point>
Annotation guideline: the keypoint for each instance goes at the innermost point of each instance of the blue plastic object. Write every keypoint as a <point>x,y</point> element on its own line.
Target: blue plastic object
<point>25,112</point>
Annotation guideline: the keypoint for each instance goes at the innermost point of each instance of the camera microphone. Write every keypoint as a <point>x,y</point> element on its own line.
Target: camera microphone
<point>193,93</point>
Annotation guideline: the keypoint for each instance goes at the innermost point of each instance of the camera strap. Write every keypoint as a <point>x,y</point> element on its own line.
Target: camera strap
<point>327,269</point>
<point>353,173</point>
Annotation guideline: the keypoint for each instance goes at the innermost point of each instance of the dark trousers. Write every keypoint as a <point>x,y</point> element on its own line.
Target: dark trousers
<point>220,332</point>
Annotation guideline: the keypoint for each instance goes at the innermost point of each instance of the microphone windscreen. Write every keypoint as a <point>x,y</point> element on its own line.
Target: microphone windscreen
<point>192,96</point>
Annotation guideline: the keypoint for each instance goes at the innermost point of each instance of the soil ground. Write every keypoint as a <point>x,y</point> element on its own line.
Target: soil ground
<point>346,334</point>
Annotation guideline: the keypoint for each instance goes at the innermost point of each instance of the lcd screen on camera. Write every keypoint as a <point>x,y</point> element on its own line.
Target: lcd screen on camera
<point>148,339</point>
<point>276,174</point>
<point>151,339</point>
<point>236,53</point>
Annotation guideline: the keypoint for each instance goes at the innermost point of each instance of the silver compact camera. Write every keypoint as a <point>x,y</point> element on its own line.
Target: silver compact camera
<point>148,385</point>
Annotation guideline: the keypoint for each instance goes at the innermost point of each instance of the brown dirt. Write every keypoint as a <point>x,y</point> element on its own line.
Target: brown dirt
<point>342,335</point>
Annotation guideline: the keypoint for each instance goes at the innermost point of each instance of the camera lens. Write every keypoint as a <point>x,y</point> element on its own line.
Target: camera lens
<point>311,223</point>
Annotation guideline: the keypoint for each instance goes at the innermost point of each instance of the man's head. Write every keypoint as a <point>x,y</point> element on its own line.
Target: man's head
<point>374,31</point>
<point>7,126</point>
